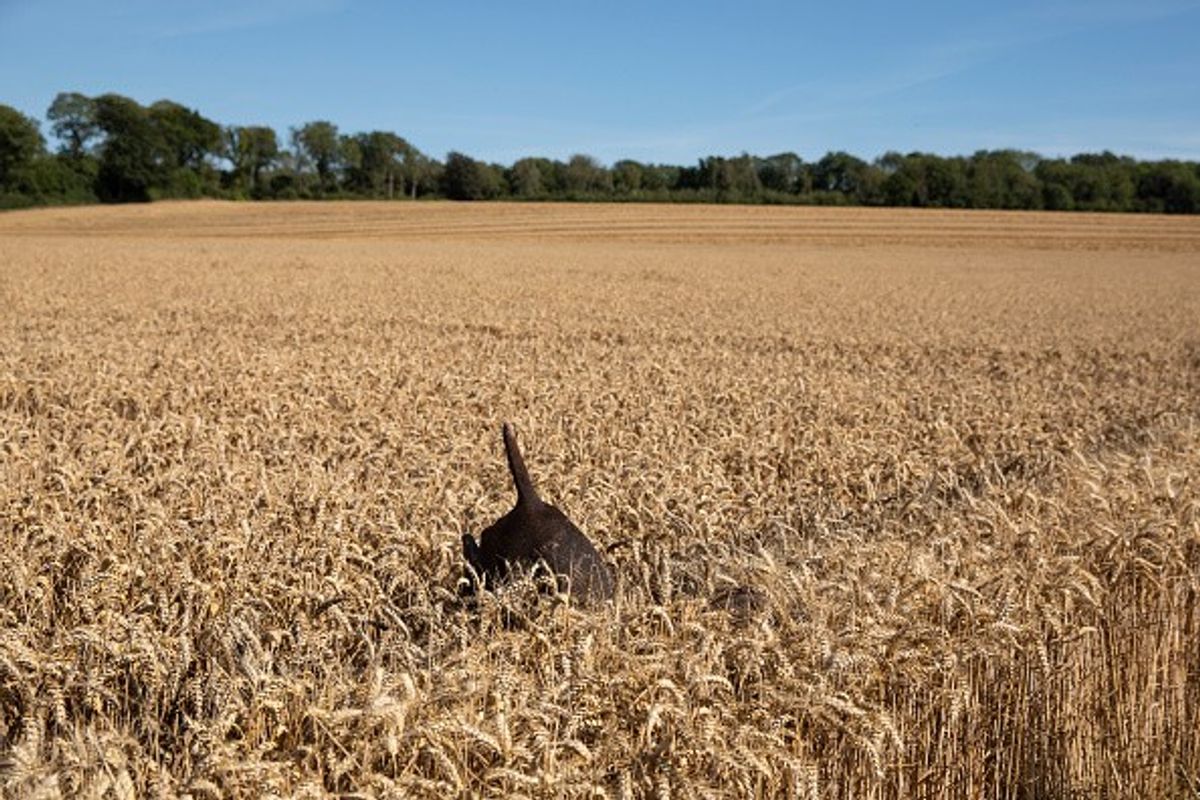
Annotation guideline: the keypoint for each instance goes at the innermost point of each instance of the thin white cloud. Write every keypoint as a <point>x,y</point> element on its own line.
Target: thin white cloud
<point>905,69</point>
<point>929,62</point>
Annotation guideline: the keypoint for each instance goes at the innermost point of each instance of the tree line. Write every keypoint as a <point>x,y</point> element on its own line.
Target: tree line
<point>113,149</point>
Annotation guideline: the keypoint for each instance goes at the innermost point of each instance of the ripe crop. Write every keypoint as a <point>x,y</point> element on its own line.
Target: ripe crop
<point>899,504</point>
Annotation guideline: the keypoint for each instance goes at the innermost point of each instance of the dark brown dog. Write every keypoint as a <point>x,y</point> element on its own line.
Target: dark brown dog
<point>536,533</point>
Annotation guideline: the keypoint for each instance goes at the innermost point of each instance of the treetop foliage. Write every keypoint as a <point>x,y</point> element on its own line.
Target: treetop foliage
<point>112,149</point>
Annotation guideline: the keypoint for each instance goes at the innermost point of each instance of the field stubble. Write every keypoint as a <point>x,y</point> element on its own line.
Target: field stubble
<point>900,504</point>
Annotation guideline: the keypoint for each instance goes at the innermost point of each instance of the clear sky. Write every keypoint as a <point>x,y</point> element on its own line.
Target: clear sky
<point>666,81</point>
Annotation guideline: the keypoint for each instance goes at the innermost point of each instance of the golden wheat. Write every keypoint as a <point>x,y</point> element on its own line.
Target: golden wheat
<point>900,504</point>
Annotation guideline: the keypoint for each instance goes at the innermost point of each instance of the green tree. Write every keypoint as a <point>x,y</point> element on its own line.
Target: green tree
<point>1104,181</point>
<point>627,177</point>
<point>1003,179</point>
<point>709,175</point>
<point>113,148</point>
<point>72,118</point>
<point>374,161</point>
<point>660,178</point>
<point>1088,182</point>
<point>419,170</point>
<point>890,162</point>
<point>464,178</point>
<point>869,191</point>
<point>1168,186</point>
<point>189,140</point>
<point>736,179</point>
<point>838,172</point>
<point>525,178</point>
<point>133,160</point>
<point>188,137</point>
<point>54,179</point>
<point>1056,179</point>
<point>20,143</point>
<point>251,149</point>
<point>584,175</point>
<point>945,182</point>
<point>354,176</point>
<point>921,179</point>
<point>784,173</point>
<point>900,189</point>
<point>317,143</point>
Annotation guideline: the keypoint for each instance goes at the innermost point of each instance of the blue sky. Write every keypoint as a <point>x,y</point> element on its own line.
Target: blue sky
<point>659,81</point>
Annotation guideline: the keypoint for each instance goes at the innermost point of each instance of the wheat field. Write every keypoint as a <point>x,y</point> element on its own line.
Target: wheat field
<point>900,504</point>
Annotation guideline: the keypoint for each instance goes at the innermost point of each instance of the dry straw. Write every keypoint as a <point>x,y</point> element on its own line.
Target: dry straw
<point>900,505</point>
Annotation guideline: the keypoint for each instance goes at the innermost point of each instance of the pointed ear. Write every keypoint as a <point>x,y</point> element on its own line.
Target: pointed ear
<point>516,465</point>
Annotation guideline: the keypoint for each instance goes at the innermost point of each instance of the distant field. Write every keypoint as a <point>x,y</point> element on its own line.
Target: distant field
<point>660,223</point>
<point>901,503</point>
